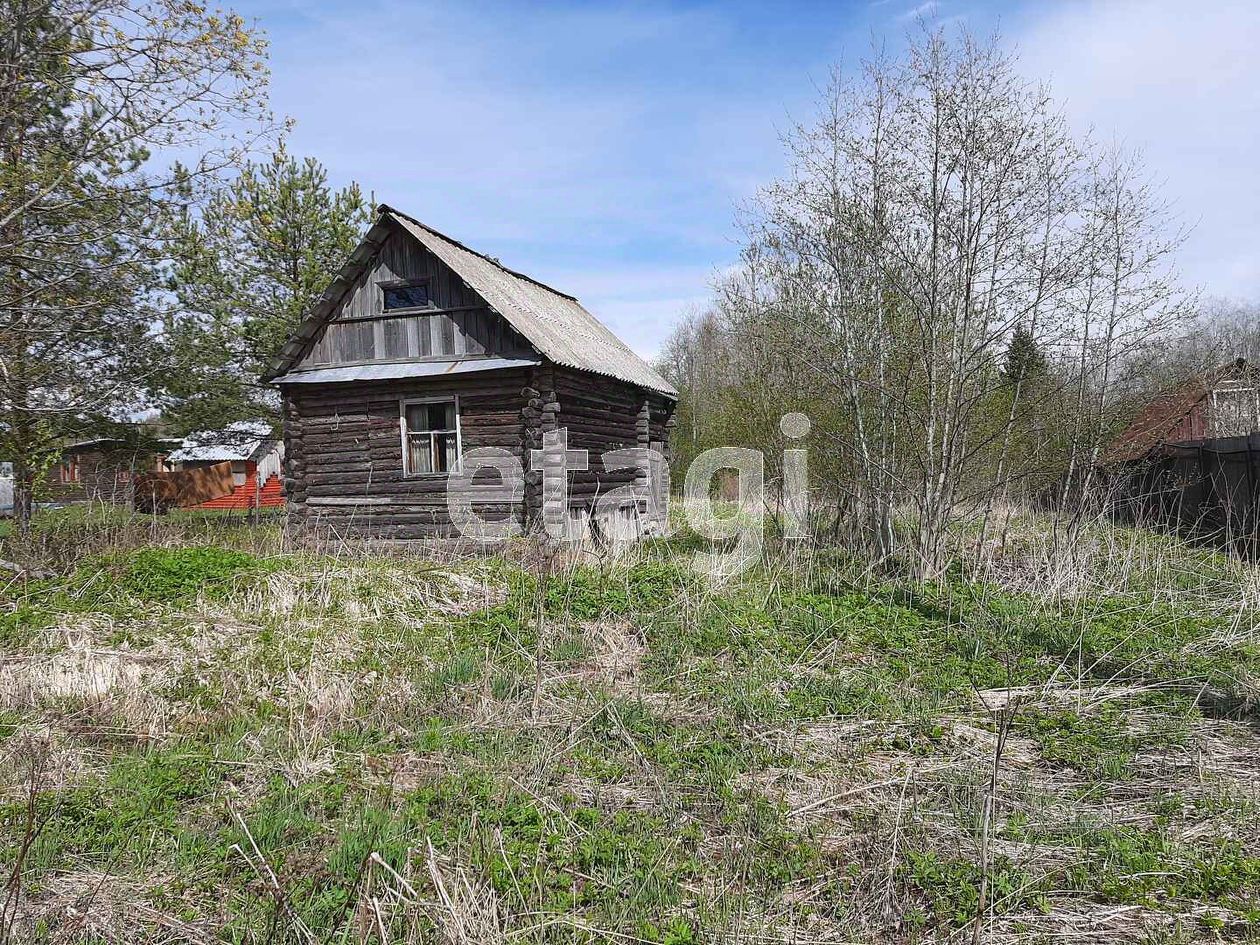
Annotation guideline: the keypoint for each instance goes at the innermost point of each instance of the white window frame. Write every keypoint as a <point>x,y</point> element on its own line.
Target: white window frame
<point>1248,408</point>
<point>402,430</point>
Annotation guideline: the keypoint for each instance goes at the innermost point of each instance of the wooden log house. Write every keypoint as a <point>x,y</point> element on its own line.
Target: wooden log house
<point>105,469</point>
<point>422,349</point>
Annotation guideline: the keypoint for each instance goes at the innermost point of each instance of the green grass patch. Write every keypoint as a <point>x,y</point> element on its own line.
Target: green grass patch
<point>178,575</point>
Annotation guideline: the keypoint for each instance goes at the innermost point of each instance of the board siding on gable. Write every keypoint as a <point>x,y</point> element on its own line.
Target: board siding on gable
<point>461,325</point>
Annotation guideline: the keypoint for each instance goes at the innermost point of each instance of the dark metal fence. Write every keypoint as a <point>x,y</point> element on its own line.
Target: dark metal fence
<point>1205,487</point>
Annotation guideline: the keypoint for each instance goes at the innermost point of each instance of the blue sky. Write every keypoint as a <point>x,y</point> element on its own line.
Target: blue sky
<point>606,148</point>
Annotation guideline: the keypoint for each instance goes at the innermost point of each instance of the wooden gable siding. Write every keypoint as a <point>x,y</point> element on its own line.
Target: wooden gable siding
<point>1233,407</point>
<point>460,324</point>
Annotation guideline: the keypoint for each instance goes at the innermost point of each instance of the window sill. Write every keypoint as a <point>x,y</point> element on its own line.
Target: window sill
<point>436,475</point>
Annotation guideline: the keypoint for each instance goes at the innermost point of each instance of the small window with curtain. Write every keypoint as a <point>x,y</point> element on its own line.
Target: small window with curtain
<point>430,437</point>
<point>403,295</point>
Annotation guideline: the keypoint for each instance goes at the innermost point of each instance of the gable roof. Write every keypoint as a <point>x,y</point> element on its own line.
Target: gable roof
<point>140,444</point>
<point>1156,422</point>
<point>1159,419</point>
<point>554,323</point>
<point>242,440</point>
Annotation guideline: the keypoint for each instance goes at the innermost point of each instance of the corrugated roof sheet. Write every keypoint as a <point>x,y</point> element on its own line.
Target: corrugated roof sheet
<point>554,323</point>
<point>236,441</point>
<point>212,454</point>
<point>397,369</point>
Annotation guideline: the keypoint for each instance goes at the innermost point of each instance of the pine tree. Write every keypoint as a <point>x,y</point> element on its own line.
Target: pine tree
<point>89,90</point>
<point>249,265</point>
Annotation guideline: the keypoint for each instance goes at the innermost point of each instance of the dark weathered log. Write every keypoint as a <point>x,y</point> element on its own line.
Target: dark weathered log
<point>350,445</point>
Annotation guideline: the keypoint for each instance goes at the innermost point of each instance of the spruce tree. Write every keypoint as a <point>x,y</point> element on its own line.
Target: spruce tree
<point>1024,361</point>
<point>249,264</point>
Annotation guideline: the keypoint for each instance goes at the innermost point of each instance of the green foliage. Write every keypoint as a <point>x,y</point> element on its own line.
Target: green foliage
<point>1132,865</point>
<point>249,266</point>
<point>589,593</point>
<point>710,754</point>
<point>1025,361</point>
<point>1096,745</point>
<point>913,652</point>
<point>1127,864</point>
<point>138,808</point>
<point>354,718</point>
<point>179,575</point>
<point>951,886</point>
<point>679,932</point>
<point>20,625</point>
<point>92,91</point>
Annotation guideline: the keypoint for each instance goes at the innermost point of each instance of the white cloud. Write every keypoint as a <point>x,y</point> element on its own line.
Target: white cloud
<point>1181,82</point>
<point>922,11</point>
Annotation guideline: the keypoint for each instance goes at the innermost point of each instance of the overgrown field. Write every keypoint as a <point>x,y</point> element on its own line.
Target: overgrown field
<point>206,738</point>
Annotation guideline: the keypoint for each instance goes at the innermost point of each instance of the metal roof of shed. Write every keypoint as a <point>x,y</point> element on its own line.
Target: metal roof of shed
<point>242,440</point>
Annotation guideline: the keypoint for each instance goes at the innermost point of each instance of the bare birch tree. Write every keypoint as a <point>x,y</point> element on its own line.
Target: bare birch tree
<point>937,205</point>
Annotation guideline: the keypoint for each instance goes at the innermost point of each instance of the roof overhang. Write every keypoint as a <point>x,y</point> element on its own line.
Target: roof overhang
<point>402,369</point>
<point>141,445</point>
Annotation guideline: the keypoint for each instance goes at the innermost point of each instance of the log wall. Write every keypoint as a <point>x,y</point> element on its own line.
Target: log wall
<point>601,415</point>
<point>104,475</point>
<point>344,464</point>
<point>344,459</point>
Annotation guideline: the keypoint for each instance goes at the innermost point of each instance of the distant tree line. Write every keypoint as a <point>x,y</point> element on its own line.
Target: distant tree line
<point>967,299</point>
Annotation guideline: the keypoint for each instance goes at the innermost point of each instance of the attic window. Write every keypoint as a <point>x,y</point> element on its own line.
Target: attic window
<point>410,294</point>
<point>1235,411</point>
